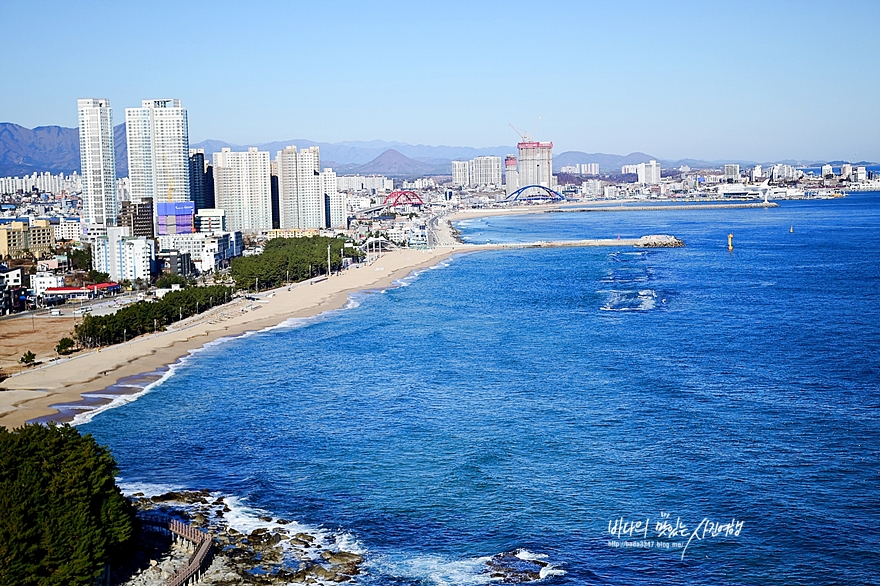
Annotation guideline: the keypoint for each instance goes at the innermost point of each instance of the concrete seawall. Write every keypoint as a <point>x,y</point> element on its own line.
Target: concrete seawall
<point>622,208</point>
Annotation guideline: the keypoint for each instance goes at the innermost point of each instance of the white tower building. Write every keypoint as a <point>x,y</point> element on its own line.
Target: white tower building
<point>157,134</point>
<point>649,173</point>
<point>460,172</point>
<point>307,197</point>
<point>535,163</point>
<point>243,189</point>
<point>98,161</point>
<point>484,171</point>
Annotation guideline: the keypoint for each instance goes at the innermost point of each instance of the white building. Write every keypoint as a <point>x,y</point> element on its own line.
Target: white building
<point>307,197</point>
<point>123,257</point>
<point>757,173</point>
<point>460,173</point>
<point>649,173</point>
<point>484,171</point>
<point>157,135</point>
<point>535,164</point>
<point>43,280</point>
<point>846,171</point>
<point>629,169</point>
<point>581,169</point>
<point>827,170</point>
<point>243,189</point>
<point>860,174</point>
<point>207,251</point>
<point>97,161</point>
<point>511,177</point>
<point>210,220</point>
<point>731,172</point>
<point>68,229</point>
<point>370,183</point>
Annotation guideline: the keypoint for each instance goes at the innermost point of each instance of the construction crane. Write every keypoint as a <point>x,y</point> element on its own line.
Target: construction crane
<point>525,135</point>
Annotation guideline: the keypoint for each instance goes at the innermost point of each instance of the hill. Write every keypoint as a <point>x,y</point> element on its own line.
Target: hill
<point>49,148</point>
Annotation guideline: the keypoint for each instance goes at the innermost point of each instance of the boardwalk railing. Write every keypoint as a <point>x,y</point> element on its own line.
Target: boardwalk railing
<point>202,548</point>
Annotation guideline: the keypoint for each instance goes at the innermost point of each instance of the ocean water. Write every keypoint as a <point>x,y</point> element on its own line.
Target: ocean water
<point>546,400</point>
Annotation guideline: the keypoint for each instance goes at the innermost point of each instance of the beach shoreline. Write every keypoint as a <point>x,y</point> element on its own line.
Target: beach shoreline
<point>29,396</point>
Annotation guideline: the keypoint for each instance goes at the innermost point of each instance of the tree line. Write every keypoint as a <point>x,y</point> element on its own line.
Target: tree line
<point>143,316</point>
<point>62,517</point>
<point>289,260</point>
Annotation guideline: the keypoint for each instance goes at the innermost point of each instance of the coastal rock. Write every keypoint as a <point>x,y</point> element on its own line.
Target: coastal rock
<point>512,568</point>
<point>659,241</point>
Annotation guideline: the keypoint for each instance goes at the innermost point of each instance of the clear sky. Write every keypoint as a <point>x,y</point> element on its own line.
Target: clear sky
<point>763,81</point>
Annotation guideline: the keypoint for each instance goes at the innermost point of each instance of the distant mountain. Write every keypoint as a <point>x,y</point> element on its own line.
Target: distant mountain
<point>392,163</point>
<point>49,148</point>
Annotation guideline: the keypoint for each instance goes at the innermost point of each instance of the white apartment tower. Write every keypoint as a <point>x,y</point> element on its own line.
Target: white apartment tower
<point>484,171</point>
<point>157,134</point>
<point>243,189</point>
<point>535,163</point>
<point>98,161</point>
<point>460,172</point>
<point>307,198</point>
<point>649,173</point>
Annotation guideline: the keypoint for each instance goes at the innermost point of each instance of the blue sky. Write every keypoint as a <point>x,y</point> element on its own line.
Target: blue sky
<point>713,80</point>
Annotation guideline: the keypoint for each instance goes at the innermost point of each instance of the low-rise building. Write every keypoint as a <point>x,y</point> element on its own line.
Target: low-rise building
<point>45,280</point>
<point>207,251</point>
<point>20,238</point>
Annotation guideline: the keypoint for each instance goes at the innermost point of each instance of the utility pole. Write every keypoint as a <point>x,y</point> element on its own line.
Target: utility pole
<point>328,260</point>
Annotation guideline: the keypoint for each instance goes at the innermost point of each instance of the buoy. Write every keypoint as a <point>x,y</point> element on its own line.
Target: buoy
<point>791,230</point>
<point>730,241</point>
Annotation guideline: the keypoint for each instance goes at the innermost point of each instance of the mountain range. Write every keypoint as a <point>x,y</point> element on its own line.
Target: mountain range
<point>56,149</point>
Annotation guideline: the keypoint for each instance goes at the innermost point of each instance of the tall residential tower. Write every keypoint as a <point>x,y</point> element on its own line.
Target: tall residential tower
<point>242,188</point>
<point>98,161</point>
<point>158,162</point>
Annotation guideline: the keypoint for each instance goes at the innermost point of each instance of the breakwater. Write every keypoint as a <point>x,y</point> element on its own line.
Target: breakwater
<point>671,207</point>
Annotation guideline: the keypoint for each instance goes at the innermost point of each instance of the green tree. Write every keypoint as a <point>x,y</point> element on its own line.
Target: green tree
<point>63,515</point>
<point>80,259</point>
<point>165,281</point>
<point>27,358</point>
<point>65,346</point>
<point>97,277</point>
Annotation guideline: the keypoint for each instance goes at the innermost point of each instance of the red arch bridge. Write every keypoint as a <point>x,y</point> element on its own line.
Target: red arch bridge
<point>396,198</point>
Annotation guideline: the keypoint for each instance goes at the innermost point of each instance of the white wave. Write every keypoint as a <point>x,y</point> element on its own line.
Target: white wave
<point>442,571</point>
<point>432,569</point>
<point>146,488</point>
<point>120,400</point>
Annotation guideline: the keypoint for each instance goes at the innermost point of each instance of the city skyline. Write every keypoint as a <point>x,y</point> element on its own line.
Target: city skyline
<point>679,80</point>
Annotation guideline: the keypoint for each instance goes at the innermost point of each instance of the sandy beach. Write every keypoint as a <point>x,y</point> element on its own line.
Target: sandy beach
<point>29,395</point>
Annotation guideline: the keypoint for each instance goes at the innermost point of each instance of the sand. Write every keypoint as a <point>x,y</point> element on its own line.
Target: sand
<point>29,395</point>
<point>39,334</point>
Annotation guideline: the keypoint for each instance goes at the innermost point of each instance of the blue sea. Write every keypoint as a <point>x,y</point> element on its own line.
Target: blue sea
<point>664,416</point>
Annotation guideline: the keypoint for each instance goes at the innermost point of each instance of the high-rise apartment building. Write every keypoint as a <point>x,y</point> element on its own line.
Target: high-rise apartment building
<point>243,189</point>
<point>98,161</point>
<point>307,197</point>
<point>157,135</point>
<point>460,173</point>
<point>649,173</point>
<point>198,188</point>
<point>484,171</point>
<point>731,172</point>
<point>511,177</point>
<point>535,163</point>
<point>138,216</point>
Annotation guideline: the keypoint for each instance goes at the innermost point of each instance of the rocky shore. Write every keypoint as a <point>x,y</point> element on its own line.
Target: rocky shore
<point>275,553</point>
